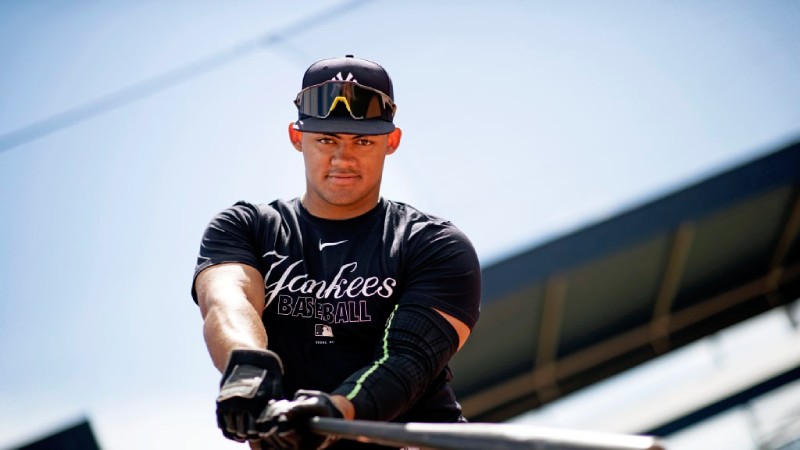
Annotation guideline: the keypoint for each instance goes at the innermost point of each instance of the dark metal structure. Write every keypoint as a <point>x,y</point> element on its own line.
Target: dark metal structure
<point>593,303</point>
<point>74,437</point>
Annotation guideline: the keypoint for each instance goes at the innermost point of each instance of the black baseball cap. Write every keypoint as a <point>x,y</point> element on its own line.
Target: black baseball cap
<point>359,71</point>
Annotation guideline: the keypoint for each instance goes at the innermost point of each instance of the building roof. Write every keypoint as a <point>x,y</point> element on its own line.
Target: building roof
<point>605,298</point>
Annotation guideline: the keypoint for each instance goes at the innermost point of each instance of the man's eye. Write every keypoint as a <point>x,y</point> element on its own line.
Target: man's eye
<point>325,140</point>
<point>364,142</point>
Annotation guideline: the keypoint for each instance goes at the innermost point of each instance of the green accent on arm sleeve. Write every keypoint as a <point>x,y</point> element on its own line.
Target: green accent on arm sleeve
<point>377,363</point>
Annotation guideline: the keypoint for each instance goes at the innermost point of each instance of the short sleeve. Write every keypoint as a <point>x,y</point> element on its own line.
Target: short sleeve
<point>230,237</point>
<point>444,272</point>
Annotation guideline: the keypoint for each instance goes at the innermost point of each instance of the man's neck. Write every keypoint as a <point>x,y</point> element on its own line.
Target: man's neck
<point>337,212</point>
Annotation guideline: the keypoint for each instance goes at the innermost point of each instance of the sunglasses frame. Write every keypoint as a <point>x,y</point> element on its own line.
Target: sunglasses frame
<point>387,102</point>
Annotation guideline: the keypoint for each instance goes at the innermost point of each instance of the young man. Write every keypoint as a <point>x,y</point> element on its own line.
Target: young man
<point>365,300</point>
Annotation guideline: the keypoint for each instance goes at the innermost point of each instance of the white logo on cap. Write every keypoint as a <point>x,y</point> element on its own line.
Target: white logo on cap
<point>338,77</point>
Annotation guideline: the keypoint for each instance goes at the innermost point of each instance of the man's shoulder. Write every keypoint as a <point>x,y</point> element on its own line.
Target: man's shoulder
<point>245,214</point>
<point>275,208</point>
<point>411,213</point>
<point>423,224</point>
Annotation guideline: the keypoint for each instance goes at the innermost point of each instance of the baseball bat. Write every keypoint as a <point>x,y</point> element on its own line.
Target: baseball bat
<point>479,436</point>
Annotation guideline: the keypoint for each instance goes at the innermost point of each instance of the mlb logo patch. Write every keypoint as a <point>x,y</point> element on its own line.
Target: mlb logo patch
<point>323,330</point>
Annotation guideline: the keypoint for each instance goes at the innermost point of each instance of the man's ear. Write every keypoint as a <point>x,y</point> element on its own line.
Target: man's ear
<point>295,137</point>
<point>393,140</point>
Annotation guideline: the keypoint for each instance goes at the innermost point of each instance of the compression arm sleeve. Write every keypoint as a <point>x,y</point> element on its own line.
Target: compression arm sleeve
<point>417,344</point>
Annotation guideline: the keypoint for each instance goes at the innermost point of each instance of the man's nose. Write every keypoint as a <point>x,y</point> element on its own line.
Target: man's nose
<point>344,153</point>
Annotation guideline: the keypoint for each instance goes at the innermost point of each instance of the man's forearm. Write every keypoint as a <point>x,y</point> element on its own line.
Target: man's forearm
<point>231,299</point>
<point>229,328</point>
<point>345,406</point>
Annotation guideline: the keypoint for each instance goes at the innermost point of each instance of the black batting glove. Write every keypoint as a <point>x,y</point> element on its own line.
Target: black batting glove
<point>252,378</point>
<point>285,423</point>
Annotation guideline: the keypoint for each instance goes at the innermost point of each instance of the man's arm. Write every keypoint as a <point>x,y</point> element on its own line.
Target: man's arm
<point>346,406</point>
<point>461,328</point>
<point>418,343</point>
<point>231,299</point>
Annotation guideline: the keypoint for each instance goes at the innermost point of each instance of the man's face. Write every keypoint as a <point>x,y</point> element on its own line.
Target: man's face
<point>343,171</point>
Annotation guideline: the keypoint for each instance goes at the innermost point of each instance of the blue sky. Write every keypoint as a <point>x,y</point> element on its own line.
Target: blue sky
<point>522,121</point>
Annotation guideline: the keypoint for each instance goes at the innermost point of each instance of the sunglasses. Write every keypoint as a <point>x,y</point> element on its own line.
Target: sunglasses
<point>361,102</point>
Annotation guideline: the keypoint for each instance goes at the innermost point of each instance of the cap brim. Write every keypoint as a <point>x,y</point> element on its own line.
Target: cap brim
<point>344,125</point>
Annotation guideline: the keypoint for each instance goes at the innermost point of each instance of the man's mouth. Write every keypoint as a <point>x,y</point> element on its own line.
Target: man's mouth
<point>343,178</point>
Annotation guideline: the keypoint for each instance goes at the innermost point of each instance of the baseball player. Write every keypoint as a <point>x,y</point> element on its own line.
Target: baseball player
<point>364,299</point>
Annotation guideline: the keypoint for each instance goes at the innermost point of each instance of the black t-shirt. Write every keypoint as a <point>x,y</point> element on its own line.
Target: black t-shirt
<point>332,284</point>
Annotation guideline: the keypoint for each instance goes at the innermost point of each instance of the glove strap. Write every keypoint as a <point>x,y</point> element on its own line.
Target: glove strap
<point>264,359</point>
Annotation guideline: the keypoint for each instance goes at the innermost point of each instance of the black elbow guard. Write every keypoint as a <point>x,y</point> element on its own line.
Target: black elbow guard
<point>418,342</point>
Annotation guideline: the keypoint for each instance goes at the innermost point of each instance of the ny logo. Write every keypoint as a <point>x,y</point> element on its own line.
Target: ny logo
<point>338,77</point>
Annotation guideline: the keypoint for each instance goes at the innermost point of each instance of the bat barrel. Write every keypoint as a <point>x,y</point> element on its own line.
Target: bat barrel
<point>479,436</point>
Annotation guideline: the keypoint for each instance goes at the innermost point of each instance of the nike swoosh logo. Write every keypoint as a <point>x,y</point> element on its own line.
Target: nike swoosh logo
<point>329,244</point>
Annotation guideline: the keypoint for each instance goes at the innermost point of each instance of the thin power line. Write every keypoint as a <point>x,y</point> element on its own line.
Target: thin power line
<point>159,83</point>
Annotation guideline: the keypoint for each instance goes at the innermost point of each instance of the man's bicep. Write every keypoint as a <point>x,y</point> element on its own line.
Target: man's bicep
<point>216,283</point>
<point>444,273</point>
<point>461,328</point>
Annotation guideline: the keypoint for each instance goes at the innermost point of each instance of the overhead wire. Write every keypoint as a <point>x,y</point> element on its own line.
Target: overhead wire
<point>159,83</point>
